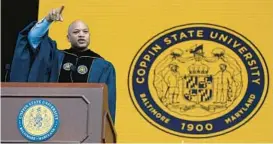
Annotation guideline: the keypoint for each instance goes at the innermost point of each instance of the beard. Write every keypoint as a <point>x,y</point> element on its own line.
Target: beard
<point>80,46</point>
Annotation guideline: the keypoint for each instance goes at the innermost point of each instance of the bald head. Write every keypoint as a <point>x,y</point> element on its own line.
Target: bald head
<point>77,24</point>
<point>78,34</point>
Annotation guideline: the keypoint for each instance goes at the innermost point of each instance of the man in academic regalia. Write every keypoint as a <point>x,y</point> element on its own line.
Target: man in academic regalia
<point>37,59</point>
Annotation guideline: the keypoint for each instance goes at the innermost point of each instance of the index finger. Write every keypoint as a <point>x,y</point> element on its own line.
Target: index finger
<point>61,9</point>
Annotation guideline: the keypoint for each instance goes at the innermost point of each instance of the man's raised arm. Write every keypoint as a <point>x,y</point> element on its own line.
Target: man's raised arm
<point>39,30</point>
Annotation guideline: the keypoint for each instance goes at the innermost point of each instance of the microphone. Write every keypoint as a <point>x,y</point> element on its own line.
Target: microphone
<point>7,68</point>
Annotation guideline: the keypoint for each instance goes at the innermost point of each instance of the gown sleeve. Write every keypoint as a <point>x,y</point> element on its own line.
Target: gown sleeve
<point>23,57</point>
<point>32,64</point>
<point>111,85</point>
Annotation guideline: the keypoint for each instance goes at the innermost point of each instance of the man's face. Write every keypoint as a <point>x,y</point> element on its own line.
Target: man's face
<point>78,35</point>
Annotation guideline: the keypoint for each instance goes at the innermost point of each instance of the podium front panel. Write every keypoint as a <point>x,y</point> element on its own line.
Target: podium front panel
<point>80,110</point>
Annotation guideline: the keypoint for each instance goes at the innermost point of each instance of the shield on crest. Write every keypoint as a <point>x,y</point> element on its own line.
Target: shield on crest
<point>197,88</point>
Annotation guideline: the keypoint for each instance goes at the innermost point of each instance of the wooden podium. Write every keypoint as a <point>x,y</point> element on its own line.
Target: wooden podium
<point>83,111</point>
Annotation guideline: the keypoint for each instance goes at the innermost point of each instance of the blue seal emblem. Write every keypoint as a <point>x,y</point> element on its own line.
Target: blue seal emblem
<point>198,80</point>
<point>38,120</point>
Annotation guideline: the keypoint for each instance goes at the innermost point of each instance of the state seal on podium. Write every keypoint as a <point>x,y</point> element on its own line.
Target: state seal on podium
<point>38,120</point>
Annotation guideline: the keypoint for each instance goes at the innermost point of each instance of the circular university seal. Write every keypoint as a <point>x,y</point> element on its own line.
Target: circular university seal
<point>82,69</point>
<point>38,120</point>
<point>67,66</point>
<point>198,80</point>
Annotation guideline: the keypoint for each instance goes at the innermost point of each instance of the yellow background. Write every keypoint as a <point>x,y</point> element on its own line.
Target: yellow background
<point>120,28</point>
